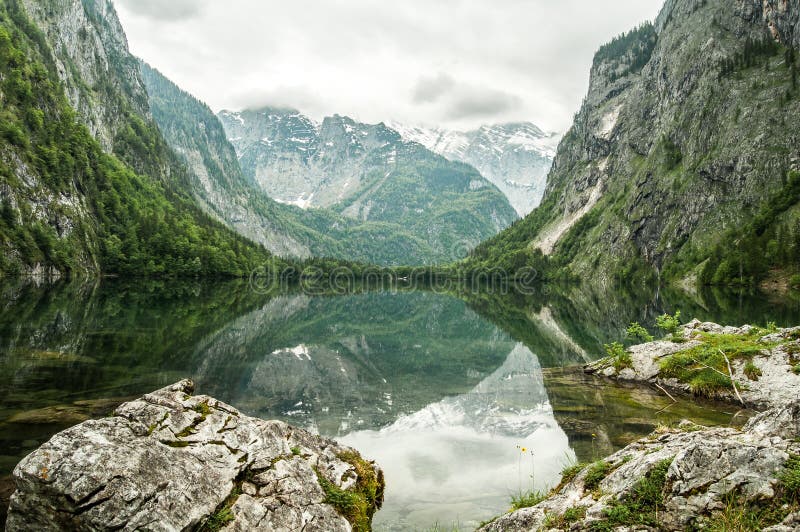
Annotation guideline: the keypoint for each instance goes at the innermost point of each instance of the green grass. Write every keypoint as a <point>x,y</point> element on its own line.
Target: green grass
<point>752,371</point>
<point>669,324</point>
<point>704,367</point>
<point>359,503</point>
<point>218,520</point>
<point>563,521</point>
<point>790,480</point>
<point>597,472</point>
<point>641,506</point>
<point>570,472</point>
<point>223,514</point>
<point>745,515</point>
<point>620,358</point>
<point>637,333</point>
<point>526,500</point>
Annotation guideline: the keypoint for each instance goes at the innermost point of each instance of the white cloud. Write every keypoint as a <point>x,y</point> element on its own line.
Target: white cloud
<point>457,63</point>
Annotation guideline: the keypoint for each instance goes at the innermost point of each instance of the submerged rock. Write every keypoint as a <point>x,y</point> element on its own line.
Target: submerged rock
<point>769,377</point>
<point>173,461</point>
<point>681,478</point>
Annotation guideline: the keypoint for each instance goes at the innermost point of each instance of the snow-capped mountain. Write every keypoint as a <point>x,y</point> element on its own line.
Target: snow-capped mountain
<point>392,196</point>
<point>306,163</point>
<point>516,157</point>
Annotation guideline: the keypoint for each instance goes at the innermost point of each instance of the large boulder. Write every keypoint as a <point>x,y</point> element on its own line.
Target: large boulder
<point>175,461</point>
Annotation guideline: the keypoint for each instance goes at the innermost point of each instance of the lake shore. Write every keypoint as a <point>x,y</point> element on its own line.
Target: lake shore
<point>690,475</point>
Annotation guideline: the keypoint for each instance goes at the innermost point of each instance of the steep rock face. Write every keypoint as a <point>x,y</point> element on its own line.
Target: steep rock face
<point>515,157</point>
<point>301,162</point>
<point>680,478</point>
<point>94,188</point>
<point>170,460</point>
<point>89,43</point>
<point>687,134</point>
<point>103,82</point>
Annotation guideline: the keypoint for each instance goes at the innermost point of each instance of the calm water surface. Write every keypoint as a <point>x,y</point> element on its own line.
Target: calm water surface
<point>442,393</point>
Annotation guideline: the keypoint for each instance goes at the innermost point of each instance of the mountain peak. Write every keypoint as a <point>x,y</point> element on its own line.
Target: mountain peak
<point>515,156</point>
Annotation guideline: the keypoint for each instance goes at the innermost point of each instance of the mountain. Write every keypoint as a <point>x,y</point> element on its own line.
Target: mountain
<point>515,157</point>
<point>89,185</point>
<point>217,181</point>
<point>683,162</point>
<point>390,201</point>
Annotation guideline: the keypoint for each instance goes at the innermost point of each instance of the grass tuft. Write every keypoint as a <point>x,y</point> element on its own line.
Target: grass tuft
<point>619,356</point>
<point>358,503</point>
<point>704,367</point>
<point>526,500</point>
<point>642,504</point>
<point>563,521</point>
<point>597,472</point>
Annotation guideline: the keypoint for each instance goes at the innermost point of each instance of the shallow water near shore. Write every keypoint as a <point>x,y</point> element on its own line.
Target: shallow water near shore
<point>464,402</point>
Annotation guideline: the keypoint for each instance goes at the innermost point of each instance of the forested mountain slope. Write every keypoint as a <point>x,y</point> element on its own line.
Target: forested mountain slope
<point>67,204</point>
<point>683,160</point>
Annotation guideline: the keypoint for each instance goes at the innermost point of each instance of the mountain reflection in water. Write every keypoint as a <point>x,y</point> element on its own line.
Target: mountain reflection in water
<point>443,392</point>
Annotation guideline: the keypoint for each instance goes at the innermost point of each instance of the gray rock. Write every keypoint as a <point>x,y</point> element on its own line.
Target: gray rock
<point>707,466</point>
<point>170,460</point>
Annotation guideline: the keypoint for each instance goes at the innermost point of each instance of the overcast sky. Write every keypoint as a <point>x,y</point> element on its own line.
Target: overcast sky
<point>453,63</point>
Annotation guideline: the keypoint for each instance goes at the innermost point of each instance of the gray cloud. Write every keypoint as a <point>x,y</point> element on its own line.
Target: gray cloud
<point>166,11</point>
<point>300,98</point>
<point>482,103</point>
<point>429,90</point>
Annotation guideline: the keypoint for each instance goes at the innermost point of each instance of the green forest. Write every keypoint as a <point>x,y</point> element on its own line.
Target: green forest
<point>121,222</point>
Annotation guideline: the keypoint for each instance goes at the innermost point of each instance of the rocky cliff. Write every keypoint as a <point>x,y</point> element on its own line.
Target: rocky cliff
<point>683,159</point>
<point>174,461</point>
<point>217,182</point>
<point>88,183</point>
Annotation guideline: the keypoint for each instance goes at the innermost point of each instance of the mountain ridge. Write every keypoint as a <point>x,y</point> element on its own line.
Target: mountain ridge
<point>89,186</point>
<point>682,163</point>
<point>514,156</point>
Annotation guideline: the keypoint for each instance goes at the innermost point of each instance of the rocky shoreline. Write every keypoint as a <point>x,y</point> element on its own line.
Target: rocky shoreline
<point>767,375</point>
<point>678,478</point>
<point>171,460</point>
<point>689,476</point>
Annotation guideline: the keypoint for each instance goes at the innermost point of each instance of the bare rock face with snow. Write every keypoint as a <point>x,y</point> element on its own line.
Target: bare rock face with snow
<point>677,479</point>
<point>174,461</point>
<point>515,157</point>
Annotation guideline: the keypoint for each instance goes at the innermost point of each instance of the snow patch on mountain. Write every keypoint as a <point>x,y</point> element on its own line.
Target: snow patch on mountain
<point>516,157</point>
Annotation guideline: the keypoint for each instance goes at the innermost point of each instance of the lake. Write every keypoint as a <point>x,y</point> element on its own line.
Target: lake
<point>444,392</point>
